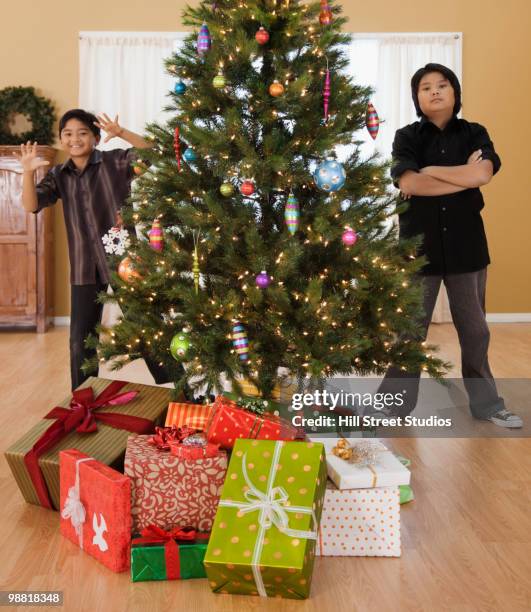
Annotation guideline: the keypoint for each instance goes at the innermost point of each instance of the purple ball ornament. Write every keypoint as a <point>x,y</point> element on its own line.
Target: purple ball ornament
<point>349,237</point>
<point>204,42</point>
<point>263,280</point>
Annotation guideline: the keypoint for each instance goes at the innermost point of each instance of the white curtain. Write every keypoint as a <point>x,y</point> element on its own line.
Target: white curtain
<point>123,73</point>
<point>387,62</point>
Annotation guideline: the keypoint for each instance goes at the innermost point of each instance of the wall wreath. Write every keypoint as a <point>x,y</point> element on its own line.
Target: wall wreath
<point>39,110</point>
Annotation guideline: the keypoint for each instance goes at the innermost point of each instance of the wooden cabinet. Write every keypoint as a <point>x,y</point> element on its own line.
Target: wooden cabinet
<point>26,249</point>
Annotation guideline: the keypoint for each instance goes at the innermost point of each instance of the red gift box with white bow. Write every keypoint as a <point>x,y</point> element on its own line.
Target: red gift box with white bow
<point>96,508</point>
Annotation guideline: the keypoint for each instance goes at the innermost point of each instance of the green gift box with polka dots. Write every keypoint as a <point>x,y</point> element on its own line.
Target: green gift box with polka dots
<point>264,535</point>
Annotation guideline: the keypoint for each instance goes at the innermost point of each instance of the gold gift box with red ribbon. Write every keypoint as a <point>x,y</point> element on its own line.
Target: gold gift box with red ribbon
<point>96,420</point>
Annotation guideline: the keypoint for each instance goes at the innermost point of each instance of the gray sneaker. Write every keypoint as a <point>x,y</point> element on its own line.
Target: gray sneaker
<point>504,418</point>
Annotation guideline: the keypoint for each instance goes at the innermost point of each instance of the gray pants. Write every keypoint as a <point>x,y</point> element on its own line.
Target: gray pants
<point>466,295</point>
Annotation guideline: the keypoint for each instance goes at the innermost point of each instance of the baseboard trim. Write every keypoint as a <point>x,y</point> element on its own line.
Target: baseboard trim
<point>61,321</point>
<point>509,317</point>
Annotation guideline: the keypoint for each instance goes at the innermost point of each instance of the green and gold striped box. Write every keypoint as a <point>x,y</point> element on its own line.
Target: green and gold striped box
<point>107,444</point>
<point>264,534</point>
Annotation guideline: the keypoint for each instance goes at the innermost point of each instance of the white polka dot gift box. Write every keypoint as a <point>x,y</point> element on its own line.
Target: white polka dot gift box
<point>360,522</point>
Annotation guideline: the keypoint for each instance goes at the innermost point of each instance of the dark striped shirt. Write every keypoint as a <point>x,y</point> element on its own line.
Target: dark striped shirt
<point>91,198</point>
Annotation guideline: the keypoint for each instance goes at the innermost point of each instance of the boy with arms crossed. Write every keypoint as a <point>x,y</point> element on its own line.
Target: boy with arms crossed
<point>439,164</point>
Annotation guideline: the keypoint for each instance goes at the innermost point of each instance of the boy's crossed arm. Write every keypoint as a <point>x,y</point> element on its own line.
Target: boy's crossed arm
<point>444,180</point>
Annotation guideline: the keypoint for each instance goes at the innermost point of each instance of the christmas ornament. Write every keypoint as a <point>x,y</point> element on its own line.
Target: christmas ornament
<point>239,341</point>
<point>247,188</point>
<point>177,148</point>
<point>263,279</point>
<point>349,237</point>
<point>204,42</point>
<point>372,121</point>
<point>219,81</point>
<point>325,16</point>
<point>330,175</point>
<point>326,92</point>
<point>292,214</point>
<point>276,89</point>
<point>226,189</point>
<point>156,238</point>
<point>126,270</point>
<point>116,241</point>
<point>262,36</point>
<point>180,87</point>
<point>195,265</point>
<point>190,155</point>
<point>139,169</point>
<point>180,344</point>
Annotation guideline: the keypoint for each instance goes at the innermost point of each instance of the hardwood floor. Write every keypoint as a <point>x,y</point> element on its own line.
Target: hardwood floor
<point>466,537</point>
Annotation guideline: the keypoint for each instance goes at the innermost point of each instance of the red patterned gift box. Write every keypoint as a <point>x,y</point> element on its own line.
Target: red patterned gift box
<point>96,508</point>
<point>170,491</point>
<point>228,422</point>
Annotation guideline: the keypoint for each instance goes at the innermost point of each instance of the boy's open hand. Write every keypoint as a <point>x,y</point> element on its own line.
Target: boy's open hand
<point>28,157</point>
<point>475,157</point>
<point>112,128</point>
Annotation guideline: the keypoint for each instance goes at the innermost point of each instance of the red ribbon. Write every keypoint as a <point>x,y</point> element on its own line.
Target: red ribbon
<point>81,415</point>
<point>156,535</point>
<point>165,436</point>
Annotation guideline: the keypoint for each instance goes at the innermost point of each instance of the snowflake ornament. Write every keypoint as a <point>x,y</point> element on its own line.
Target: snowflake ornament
<point>116,241</point>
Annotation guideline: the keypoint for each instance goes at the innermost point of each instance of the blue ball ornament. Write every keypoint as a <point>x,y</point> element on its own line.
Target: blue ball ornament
<point>180,87</point>
<point>190,155</point>
<point>330,175</point>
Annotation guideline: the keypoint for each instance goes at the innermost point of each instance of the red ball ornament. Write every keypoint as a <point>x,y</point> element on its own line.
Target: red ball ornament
<point>325,16</point>
<point>247,188</point>
<point>262,36</point>
<point>349,237</point>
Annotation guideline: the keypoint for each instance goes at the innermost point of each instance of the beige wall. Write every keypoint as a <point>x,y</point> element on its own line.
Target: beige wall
<point>40,48</point>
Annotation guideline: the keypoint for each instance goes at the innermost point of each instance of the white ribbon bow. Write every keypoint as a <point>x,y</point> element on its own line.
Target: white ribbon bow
<point>272,509</point>
<point>74,508</point>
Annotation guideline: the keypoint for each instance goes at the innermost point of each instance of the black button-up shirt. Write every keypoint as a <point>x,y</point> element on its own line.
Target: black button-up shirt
<point>454,238</point>
<point>91,198</point>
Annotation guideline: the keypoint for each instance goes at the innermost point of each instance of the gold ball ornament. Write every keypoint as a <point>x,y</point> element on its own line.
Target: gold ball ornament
<point>276,89</point>
<point>219,81</point>
<point>127,271</point>
<point>226,189</point>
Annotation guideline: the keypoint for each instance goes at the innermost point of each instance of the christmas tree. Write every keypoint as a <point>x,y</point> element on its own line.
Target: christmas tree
<point>258,251</point>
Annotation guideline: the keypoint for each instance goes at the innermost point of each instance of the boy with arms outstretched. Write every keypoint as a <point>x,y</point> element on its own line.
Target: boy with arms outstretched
<point>93,186</point>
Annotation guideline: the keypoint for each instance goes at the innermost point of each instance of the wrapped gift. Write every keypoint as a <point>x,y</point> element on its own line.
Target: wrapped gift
<point>229,421</point>
<point>264,536</point>
<point>251,390</point>
<point>96,420</point>
<point>362,464</point>
<point>360,522</point>
<point>183,414</point>
<point>172,491</point>
<point>176,554</point>
<point>95,508</point>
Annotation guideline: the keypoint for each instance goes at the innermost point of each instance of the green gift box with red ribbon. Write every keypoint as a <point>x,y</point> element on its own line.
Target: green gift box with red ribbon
<point>97,420</point>
<point>175,554</point>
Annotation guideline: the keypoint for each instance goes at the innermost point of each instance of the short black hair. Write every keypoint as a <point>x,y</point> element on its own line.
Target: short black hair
<point>81,115</point>
<point>447,74</point>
